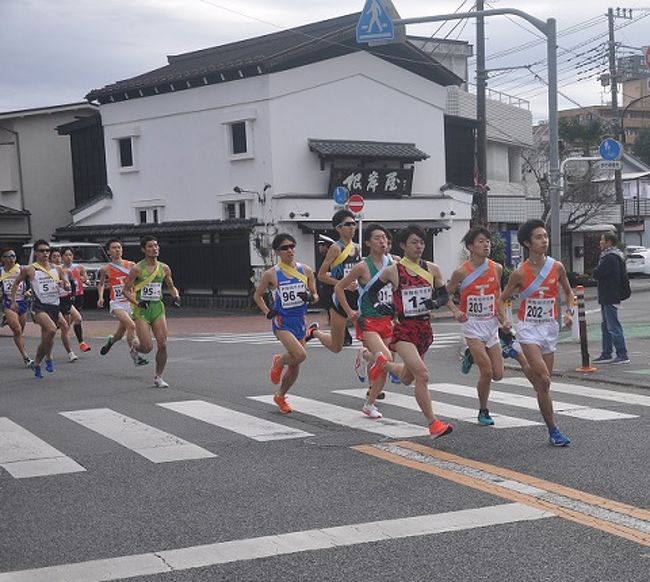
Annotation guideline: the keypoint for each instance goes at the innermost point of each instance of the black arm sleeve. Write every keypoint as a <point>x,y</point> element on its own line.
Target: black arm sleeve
<point>375,288</point>
<point>442,296</point>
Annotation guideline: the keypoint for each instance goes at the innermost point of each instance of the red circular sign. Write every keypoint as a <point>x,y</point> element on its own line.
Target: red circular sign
<point>647,56</point>
<point>355,203</point>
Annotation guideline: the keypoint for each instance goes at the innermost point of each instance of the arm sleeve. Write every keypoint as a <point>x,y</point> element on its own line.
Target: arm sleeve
<point>375,288</point>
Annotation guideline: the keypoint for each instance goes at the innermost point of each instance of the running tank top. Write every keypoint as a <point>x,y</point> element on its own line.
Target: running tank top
<point>67,277</point>
<point>149,288</point>
<point>385,295</point>
<point>285,298</point>
<point>478,299</point>
<point>413,291</point>
<point>541,306</point>
<point>46,285</point>
<point>343,268</point>
<point>8,278</point>
<point>75,274</point>
<point>116,275</point>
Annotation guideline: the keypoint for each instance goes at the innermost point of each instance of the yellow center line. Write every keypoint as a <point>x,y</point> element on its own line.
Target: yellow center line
<point>571,514</point>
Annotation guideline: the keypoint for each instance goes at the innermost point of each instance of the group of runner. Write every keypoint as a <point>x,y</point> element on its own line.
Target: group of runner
<point>390,300</point>
<point>51,290</point>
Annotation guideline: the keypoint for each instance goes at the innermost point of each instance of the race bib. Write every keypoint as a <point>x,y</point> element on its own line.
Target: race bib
<point>386,294</point>
<point>48,290</point>
<point>414,299</point>
<point>151,292</point>
<point>289,295</point>
<point>347,267</point>
<point>118,291</point>
<point>540,310</point>
<point>7,284</point>
<point>480,306</point>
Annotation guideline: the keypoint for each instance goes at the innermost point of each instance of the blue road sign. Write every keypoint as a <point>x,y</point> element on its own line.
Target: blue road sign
<point>610,149</point>
<point>375,23</point>
<point>340,195</point>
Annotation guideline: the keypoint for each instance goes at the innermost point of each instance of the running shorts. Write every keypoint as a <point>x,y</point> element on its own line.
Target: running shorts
<point>486,330</point>
<point>23,305</point>
<point>113,306</point>
<point>352,298</point>
<point>52,310</point>
<point>296,325</point>
<point>154,310</point>
<point>415,331</point>
<point>65,304</point>
<point>542,334</point>
<point>381,325</point>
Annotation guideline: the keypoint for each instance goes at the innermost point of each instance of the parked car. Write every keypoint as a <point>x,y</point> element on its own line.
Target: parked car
<point>631,249</point>
<point>638,262</point>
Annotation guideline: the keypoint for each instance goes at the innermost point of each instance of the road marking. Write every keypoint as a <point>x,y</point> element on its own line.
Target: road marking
<point>588,391</point>
<point>207,555</point>
<point>349,418</point>
<point>153,444</point>
<point>626,521</point>
<point>250,426</point>
<point>443,409</point>
<point>24,455</point>
<point>565,408</point>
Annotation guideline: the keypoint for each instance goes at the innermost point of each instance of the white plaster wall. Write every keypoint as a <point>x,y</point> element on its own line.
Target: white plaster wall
<point>498,162</point>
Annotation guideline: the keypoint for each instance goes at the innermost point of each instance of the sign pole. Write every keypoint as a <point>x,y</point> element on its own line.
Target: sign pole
<point>360,227</point>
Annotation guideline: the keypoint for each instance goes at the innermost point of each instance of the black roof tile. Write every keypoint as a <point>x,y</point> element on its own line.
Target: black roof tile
<point>332,148</point>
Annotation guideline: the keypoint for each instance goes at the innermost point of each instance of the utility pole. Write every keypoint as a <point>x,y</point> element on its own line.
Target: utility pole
<point>481,216</point>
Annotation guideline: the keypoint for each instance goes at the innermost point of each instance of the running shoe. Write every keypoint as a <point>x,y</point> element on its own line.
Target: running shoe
<point>140,361</point>
<point>313,326</point>
<point>134,355</point>
<point>602,359</point>
<point>49,365</point>
<point>556,438</point>
<point>370,410</point>
<point>275,373</point>
<point>37,371</point>
<point>439,429</point>
<point>360,365</point>
<point>73,357</point>
<point>467,362</point>
<point>107,346</point>
<point>84,347</point>
<point>394,378</point>
<point>380,396</point>
<point>282,403</point>
<point>484,417</point>
<point>377,369</point>
<point>158,382</point>
<point>620,360</point>
<point>28,361</point>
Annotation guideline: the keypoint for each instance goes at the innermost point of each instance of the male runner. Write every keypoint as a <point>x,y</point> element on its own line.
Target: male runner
<point>539,280</point>
<point>479,280</point>
<point>293,286</point>
<point>338,262</point>
<point>45,280</point>
<point>373,329</point>
<point>414,281</point>
<point>77,274</point>
<point>16,320</point>
<point>66,299</point>
<point>115,274</point>
<point>143,288</point>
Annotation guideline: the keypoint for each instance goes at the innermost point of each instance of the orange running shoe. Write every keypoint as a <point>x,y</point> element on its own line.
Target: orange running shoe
<point>84,347</point>
<point>438,428</point>
<point>275,373</point>
<point>377,369</point>
<point>282,403</point>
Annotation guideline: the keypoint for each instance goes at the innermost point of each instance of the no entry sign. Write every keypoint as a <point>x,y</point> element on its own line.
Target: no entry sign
<point>355,203</point>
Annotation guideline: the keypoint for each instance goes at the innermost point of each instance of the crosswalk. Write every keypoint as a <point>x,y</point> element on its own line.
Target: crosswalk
<point>26,454</point>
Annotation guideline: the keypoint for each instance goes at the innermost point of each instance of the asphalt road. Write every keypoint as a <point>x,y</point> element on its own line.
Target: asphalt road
<point>248,509</point>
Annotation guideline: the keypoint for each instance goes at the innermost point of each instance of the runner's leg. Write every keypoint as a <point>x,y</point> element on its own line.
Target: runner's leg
<point>333,340</point>
<point>48,331</point>
<point>294,356</point>
<point>541,380</point>
<point>418,369</point>
<point>17,325</point>
<point>159,329</point>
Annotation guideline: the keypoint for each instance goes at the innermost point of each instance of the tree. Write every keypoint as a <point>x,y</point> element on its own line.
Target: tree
<point>641,147</point>
<point>580,137</point>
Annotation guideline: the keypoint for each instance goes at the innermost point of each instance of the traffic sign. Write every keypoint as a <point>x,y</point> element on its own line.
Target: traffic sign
<point>375,23</point>
<point>609,165</point>
<point>610,149</point>
<point>355,203</point>
<point>646,55</point>
<point>340,195</point>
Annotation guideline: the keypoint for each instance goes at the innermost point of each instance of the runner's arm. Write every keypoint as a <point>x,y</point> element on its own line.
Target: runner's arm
<point>514,282</point>
<point>563,281</point>
<point>454,283</point>
<point>388,275</point>
<point>100,287</point>
<point>170,283</point>
<point>266,280</point>
<point>128,290</point>
<point>63,282</point>
<point>22,276</point>
<point>324,271</point>
<point>343,284</point>
<point>311,285</point>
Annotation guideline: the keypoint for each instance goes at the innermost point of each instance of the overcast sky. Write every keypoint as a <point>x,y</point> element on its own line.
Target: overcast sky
<point>56,51</point>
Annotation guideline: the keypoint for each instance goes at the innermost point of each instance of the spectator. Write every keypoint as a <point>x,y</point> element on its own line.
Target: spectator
<point>608,273</point>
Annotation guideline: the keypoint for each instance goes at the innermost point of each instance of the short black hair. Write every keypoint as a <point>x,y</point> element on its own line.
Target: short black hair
<point>39,242</point>
<point>55,250</point>
<point>372,227</point>
<point>340,215</point>
<point>473,233</point>
<point>404,234</point>
<point>526,230</point>
<point>279,238</point>
<point>145,239</point>
<point>610,237</point>
<point>111,241</point>
<point>5,249</point>
<point>66,249</point>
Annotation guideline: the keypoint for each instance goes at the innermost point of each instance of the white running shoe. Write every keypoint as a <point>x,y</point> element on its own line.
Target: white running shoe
<point>73,357</point>
<point>370,410</point>
<point>360,365</point>
<point>158,382</point>
<point>134,355</point>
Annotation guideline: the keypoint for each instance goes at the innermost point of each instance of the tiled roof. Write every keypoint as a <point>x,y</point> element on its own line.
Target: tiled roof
<point>333,148</point>
<point>6,211</point>
<point>266,54</point>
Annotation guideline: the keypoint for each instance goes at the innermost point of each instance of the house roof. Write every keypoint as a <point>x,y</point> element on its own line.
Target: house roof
<point>270,53</point>
<point>48,110</point>
<point>333,148</point>
<point>5,211</point>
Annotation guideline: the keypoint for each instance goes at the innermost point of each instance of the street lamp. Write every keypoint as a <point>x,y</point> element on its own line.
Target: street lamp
<point>261,198</point>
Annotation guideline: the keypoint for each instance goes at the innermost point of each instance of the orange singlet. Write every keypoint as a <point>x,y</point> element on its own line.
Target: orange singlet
<point>541,306</point>
<point>117,275</point>
<point>478,299</point>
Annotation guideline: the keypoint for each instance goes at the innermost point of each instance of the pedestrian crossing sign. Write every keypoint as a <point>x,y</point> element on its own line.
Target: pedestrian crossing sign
<point>375,23</point>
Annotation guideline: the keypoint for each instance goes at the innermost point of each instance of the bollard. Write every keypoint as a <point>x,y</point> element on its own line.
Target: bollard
<point>582,323</point>
<point>575,325</point>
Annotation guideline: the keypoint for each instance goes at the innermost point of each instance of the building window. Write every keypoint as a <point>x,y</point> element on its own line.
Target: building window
<point>238,137</point>
<point>234,210</point>
<point>126,152</point>
<point>150,215</point>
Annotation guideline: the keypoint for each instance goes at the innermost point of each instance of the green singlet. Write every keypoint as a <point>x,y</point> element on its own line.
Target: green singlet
<point>151,292</point>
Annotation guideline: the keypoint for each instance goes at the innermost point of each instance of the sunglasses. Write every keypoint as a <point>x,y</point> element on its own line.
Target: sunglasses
<point>348,224</point>
<point>43,250</point>
<point>11,256</point>
<point>287,247</point>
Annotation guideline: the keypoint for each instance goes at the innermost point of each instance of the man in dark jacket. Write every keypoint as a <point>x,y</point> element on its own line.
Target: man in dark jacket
<point>608,272</point>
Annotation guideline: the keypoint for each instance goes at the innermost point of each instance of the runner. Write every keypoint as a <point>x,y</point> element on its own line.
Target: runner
<point>45,280</point>
<point>373,329</point>
<point>66,299</point>
<point>338,262</point>
<point>77,274</point>
<point>539,280</point>
<point>479,280</point>
<point>413,281</point>
<point>143,288</point>
<point>15,319</point>
<point>115,274</point>
<point>293,287</point>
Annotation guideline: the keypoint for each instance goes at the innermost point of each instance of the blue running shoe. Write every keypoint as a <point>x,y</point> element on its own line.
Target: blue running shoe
<point>467,362</point>
<point>37,372</point>
<point>394,378</point>
<point>49,365</point>
<point>556,438</point>
<point>484,417</point>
